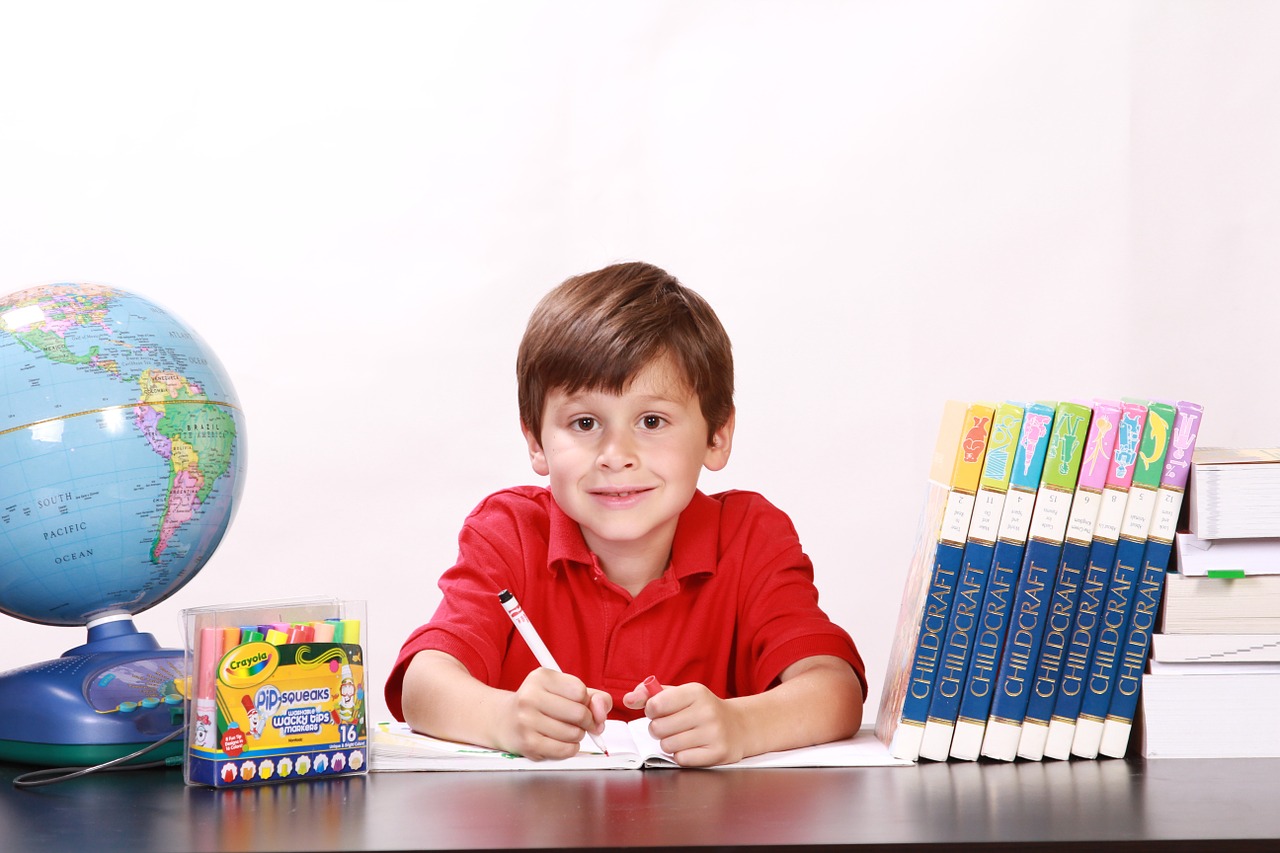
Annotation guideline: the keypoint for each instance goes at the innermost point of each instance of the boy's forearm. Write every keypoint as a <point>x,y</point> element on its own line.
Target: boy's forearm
<point>441,698</point>
<point>818,700</point>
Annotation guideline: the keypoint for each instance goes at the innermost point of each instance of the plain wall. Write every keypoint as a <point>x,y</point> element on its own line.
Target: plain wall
<point>888,203</point>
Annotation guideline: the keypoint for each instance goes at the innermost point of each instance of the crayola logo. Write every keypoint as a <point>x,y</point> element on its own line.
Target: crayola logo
<point>249,665</point>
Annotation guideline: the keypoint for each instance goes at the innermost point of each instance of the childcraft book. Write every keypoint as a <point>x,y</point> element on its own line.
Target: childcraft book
<point>396,747</point>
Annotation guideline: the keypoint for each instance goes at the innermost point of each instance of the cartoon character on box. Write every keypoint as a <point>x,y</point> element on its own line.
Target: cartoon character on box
<point>349,708</point>
<point>204,730</point>
<point>256,722</point>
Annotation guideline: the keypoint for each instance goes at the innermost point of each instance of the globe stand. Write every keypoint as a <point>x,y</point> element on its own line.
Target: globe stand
<point>116,694</point>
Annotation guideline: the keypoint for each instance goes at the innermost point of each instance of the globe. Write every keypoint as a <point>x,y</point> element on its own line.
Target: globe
<point>122,453</point>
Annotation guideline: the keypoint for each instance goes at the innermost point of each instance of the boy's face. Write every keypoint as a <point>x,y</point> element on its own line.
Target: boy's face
<point>624,466</point>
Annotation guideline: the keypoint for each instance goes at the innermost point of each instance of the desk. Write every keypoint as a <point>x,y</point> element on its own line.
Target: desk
<point>1212,805</point>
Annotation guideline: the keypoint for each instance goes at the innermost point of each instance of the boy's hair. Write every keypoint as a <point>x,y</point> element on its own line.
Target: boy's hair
<point>596,331</point>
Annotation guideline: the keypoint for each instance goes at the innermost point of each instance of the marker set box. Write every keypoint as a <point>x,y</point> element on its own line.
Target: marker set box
<point>276,692</point>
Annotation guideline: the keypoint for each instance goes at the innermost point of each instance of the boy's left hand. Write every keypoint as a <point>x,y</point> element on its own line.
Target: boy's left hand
<point>693,724</point>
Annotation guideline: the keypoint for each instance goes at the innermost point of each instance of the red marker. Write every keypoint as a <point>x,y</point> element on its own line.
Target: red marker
<point>652,686</point>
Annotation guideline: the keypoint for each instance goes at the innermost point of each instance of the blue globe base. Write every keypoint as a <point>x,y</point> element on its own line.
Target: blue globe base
<point>114,695</point>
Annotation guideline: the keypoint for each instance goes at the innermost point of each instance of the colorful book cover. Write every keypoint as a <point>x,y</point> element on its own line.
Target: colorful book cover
<point>984,528</point>
<point>1139,510</point>
<point>1075,561</point>
<point>1006,563</point>
<point>1102,552</point>
<point>923,610</point>
<point>1136,639</point>
<point>1044,549</point>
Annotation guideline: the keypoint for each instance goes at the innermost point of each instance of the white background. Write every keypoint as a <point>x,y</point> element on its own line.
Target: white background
<point>888,203</point>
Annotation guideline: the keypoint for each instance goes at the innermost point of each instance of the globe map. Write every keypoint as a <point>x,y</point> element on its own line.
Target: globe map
<point>122,453</point>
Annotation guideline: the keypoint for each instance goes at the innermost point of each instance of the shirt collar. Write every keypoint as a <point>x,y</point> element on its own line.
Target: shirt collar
<point>693,551</point>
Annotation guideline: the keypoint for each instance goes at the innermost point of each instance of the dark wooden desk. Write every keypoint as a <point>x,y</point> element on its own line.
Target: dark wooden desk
<point>1181,805</point>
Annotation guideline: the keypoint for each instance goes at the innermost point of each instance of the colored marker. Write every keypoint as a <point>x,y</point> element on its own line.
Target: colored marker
<point>539,648</point>
<point>206,730</point>
<point>276,637</point>
<point>323,631</point>
<point>652,686</point>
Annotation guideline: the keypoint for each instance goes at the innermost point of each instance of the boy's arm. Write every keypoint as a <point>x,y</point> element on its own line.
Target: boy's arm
<point>545,718</point>
<point>818,699</point>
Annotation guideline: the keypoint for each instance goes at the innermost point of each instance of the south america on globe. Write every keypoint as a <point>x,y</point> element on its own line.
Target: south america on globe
<point>122,453</point>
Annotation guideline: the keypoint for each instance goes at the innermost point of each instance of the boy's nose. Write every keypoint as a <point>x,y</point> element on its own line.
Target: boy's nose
<point>617,452</point>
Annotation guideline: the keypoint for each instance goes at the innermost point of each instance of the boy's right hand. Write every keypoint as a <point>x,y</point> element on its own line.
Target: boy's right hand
<point>550,714</point>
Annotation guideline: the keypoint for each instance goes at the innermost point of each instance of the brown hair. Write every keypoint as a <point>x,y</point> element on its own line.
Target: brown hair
<point>596,331</point>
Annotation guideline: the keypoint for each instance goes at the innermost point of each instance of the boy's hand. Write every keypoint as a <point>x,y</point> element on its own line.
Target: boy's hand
<point>693,724</point>
<point>550,713</point>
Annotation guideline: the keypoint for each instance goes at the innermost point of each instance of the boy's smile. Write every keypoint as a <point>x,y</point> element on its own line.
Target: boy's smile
<point>624,466</point>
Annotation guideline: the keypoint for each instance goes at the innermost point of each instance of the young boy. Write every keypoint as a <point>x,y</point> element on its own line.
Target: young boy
<point>622,565</point>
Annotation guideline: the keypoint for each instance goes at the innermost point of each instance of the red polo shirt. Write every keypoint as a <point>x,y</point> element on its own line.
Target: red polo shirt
<point>736,606</point>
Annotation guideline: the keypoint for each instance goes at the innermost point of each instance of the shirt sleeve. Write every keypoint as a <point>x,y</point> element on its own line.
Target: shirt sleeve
<point>781,622</point>
<point>470,624</point>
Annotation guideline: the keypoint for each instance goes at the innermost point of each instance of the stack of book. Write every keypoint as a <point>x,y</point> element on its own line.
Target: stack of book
<point>1029,604</point>
<point>1214,675</point>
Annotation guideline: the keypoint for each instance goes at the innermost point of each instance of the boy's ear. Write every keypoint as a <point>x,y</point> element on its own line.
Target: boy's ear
<point>717,455</point>
<point>536,457</point>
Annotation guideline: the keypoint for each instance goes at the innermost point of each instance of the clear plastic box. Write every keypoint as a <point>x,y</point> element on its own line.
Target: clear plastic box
<point>276,692</point>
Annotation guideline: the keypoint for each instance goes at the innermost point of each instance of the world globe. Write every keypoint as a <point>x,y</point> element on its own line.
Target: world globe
<point>122,453</point>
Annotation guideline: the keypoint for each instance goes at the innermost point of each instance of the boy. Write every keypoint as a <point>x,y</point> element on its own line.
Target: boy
<point>626,569</point>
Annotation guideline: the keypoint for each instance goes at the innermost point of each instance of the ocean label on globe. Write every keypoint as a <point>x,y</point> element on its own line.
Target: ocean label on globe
<point>122,453</point>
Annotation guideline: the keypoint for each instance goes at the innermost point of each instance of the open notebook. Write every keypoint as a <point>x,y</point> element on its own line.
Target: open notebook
<point>394,746</point>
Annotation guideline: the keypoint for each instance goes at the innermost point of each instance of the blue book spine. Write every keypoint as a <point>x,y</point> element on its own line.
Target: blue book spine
<point>1075,664</point>
<point>1062,607</point>
<point>954,663</point>
<point>1022,645</point>
<point>1110,637</point>
<point>975,703</point>
<point>1133,655</point>
<point>933,624</point>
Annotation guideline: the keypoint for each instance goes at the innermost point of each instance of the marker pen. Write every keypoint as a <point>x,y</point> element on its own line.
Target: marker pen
<point>323,631</point>
<point>539,648</point>
<point>652,686</point>
<point>206,730</point>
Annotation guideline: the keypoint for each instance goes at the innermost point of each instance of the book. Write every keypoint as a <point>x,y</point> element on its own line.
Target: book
<point>1235,493</point>
<point>1127,681</point>
<point>1215,648</point>
<point>1210,715</point>
<point>1227,558</point>
<point>926,594</point>
<point>1147,497</point>
<point>1205,605</point>
<point>1039,565</point>
<point>1006,563</point>
<point>1102,550</point>
<point>993,485</point>
<point>396,747</point>
<point>1098,450</point>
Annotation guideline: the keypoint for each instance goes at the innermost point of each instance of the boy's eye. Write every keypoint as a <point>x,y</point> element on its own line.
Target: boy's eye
<point>584,424</point>
<point>651,421</point>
